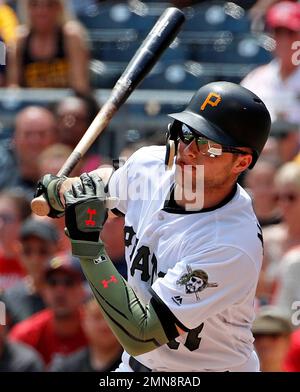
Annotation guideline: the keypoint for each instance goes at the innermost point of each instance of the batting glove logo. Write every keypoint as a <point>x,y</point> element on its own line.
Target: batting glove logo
<point>90,221</point>
<point>112,279</point>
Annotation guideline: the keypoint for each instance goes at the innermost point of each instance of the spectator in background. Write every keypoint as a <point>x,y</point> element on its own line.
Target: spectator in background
<point>8,33</point>
<point>58,329</point>
<point>260,184</point>
<point>288,142</point>
<point>270,152</point>
<point>281,238</point>
<point>74,115</point>
<point>278,83</point>
<point>272,331</point>
<point>38,246</point>
<point>259,9</point>
<point>35,129</point>
<point>292,360</point>
<point>79,7</point>
<point>103,353</point>
<point>53,157</point>
<point>51,48</point>
<point>8,23</point>
<point>288,289</point>
<point>14,209</point>
<point>16,357</point>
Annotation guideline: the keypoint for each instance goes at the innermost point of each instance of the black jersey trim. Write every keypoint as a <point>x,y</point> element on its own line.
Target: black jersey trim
<point>172,207</point>
<point>117,212</point>
<point>166,317</point>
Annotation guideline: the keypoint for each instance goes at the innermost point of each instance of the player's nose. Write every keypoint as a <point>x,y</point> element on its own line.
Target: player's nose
<point>188,150</point>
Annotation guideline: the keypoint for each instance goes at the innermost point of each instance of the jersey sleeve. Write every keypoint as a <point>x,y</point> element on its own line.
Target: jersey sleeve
<point>201,286</point>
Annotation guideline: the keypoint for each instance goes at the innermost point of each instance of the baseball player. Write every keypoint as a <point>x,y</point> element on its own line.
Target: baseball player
<point>193,244</point>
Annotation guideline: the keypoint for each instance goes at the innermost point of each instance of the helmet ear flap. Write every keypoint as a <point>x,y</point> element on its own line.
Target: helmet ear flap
<point>170,153</point>
<point>171,143</point>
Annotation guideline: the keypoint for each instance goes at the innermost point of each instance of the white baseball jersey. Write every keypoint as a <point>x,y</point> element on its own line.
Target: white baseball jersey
<point>203,265</point>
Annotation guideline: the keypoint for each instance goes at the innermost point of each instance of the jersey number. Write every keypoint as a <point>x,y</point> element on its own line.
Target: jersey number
<point>192,341</point>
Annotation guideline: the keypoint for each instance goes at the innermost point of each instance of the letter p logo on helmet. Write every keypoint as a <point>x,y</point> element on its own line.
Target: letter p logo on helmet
<point>213,99</point>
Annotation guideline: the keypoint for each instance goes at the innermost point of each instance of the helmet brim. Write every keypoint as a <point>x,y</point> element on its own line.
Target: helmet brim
<point>204,127</point>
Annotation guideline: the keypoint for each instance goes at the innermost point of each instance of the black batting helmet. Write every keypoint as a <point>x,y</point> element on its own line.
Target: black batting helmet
<point>229,114</point>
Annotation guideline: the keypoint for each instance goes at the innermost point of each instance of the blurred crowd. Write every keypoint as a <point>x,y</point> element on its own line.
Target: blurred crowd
<point>52,322</point>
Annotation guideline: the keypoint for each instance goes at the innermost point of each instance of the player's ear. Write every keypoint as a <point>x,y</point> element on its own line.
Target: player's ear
<point>242,163</point>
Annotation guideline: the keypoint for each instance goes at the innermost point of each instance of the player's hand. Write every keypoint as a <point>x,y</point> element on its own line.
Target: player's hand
<point>49,186</point>
<point>86,210</point>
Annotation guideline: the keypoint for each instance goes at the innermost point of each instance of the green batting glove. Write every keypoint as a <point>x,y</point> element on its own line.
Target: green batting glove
<point>49,186</point>
<point>86,214</point>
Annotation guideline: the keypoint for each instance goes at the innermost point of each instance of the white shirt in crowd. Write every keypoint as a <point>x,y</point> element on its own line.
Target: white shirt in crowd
<point>282,97</point>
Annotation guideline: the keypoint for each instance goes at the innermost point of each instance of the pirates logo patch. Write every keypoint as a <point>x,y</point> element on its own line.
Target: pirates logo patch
<point>195,281</point>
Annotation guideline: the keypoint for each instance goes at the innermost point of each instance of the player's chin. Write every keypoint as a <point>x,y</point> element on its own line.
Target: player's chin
<point>188,179</point>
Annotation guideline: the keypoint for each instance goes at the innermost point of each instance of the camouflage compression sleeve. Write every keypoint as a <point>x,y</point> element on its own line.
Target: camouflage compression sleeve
<point>139,327</point>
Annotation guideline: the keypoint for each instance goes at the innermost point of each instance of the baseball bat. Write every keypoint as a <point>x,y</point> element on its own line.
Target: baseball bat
<point>160,37</point>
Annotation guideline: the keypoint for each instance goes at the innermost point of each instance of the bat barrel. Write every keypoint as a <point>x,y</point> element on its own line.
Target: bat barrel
<point>157,41</point>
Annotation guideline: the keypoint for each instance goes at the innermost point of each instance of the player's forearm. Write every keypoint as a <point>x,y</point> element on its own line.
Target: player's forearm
<point>135,324</point>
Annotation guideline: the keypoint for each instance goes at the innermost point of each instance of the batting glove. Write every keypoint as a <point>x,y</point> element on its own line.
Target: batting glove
<point>86,214</point>
<point>49,187</point>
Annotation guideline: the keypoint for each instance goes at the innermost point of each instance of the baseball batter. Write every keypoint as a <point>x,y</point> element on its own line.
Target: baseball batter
<point>193,245</point>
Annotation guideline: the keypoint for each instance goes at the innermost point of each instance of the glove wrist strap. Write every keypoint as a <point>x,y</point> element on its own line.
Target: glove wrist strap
<point>87,249</point>
<point>53,189</point>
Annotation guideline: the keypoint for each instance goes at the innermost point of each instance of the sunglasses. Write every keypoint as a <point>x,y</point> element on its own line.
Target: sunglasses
<point>66,281</point>
<point>289,197</point>
<point>204,145</point>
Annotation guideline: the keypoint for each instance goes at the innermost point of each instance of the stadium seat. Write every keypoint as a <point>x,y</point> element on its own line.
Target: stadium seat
<point>119,51</point>
<point>106,16</point>
<point>118,16</point>
<point>217,16</point>
<point>105,75</point>
<point>171,76</point>
<point>177,51</point>
<point>245,50</point>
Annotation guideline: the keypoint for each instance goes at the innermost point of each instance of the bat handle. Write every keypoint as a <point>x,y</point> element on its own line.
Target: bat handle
<point>70,163</point>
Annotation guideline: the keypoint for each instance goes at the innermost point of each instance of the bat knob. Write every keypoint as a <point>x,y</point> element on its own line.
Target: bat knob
<point>39,206</point>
